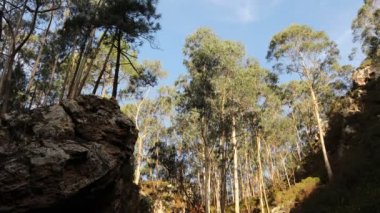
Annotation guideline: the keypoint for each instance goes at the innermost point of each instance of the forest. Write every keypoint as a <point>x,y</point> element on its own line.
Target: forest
<point>228,136</point>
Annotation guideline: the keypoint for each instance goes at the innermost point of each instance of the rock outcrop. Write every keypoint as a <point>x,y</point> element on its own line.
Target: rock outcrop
<point>72,157</point>
<point>365,74</point>
<point>353,143</point>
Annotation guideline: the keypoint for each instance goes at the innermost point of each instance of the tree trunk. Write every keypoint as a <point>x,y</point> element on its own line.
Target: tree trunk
<point>223,175</point>
<point>103,69</point>
<point>38,59</point>
<point>91,64</point>
<point>32,99</point>
<point>223,190</point>
<point>261,176</point>
<point>207,185</point>
<point>201,187</point>
<point>236,177</point>
<point>1,23</point>
<point>138,160</point>
<point>117,68</point>
<point>51,79</point>
<point>6,79</point>
<point>223,153</point>
<point>298,138</point>
<point>261,192</point>
<point>244,190</point>
<point>217,191</point>
<point>270,162</point>
<point>139,143</point>
<point>265,194</point>
<point>82,61</point>
<point>285,170</point>
<point>251,175</point>
<point>70,94</point>
<point>68,71</point>
<point>105,83</point>
<point>321,137</point>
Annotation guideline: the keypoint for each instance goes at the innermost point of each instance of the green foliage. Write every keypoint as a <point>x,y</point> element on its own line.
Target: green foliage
<point>138,18</point>
<point>366,28</point>
<point>300,49</point>
<point>296,193</point>
<point>64,46</point>
<point>146,75</point>
<point>155,192</point>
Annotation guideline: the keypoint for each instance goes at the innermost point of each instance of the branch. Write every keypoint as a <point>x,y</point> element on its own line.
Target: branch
<point>18,48</point>
<point>14,5</point>
<point>130,55</point>
<point>130,62</point>
<point>10,26</point>
<point>42,11</point>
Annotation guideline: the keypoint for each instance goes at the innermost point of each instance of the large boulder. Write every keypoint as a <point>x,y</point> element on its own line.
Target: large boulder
<point>71,157</point>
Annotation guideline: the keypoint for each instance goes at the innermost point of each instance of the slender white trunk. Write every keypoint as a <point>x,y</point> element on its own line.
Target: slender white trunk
<point>258,180</point>
<point>138,161</point>
<point>236,177</point>
<point>271,164</point>
<point>223,169</point>
<point>140,140</point>
<point>261,176</point>
<point>217,190</point>
<point>286,171</point>
<point>321,137</point>
<point>298,141</point>
<point>265,195</point>
<point>200,185</point>
<point>207,185</point>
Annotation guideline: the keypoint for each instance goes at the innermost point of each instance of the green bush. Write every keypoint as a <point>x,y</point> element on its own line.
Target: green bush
<point>296,193</point>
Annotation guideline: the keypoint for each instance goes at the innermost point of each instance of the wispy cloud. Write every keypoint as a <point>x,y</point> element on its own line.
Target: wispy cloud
<point>345,38</point>
<point>239,10</point>
<point>244,11</point>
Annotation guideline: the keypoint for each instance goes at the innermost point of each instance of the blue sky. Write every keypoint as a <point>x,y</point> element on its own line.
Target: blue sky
<point>251,22</point>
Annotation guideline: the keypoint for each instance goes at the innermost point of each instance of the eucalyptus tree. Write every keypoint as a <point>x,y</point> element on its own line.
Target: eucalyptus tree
<point>143,114</point>
<point>313,56</point>
<point>201,59</point>
<point>213,64</point>
<point>231,56</point>
<point>296,98</point>
<point>148,114</point>
<point>366,28</point>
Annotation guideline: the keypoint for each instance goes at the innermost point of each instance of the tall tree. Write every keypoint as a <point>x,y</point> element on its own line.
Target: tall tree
<point>366,28</point>
<point>311,54</point>
<point>19,31</point>
<point>139,22</point>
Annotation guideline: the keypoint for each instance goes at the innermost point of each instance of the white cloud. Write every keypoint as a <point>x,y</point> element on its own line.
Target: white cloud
<point>242,11</point>
<point>345,38</point>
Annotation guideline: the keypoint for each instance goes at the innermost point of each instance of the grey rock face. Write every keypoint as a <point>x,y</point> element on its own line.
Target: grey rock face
<point>71,157</point>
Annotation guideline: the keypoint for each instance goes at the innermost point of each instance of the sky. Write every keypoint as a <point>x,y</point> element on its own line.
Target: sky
<point>251,22</point>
